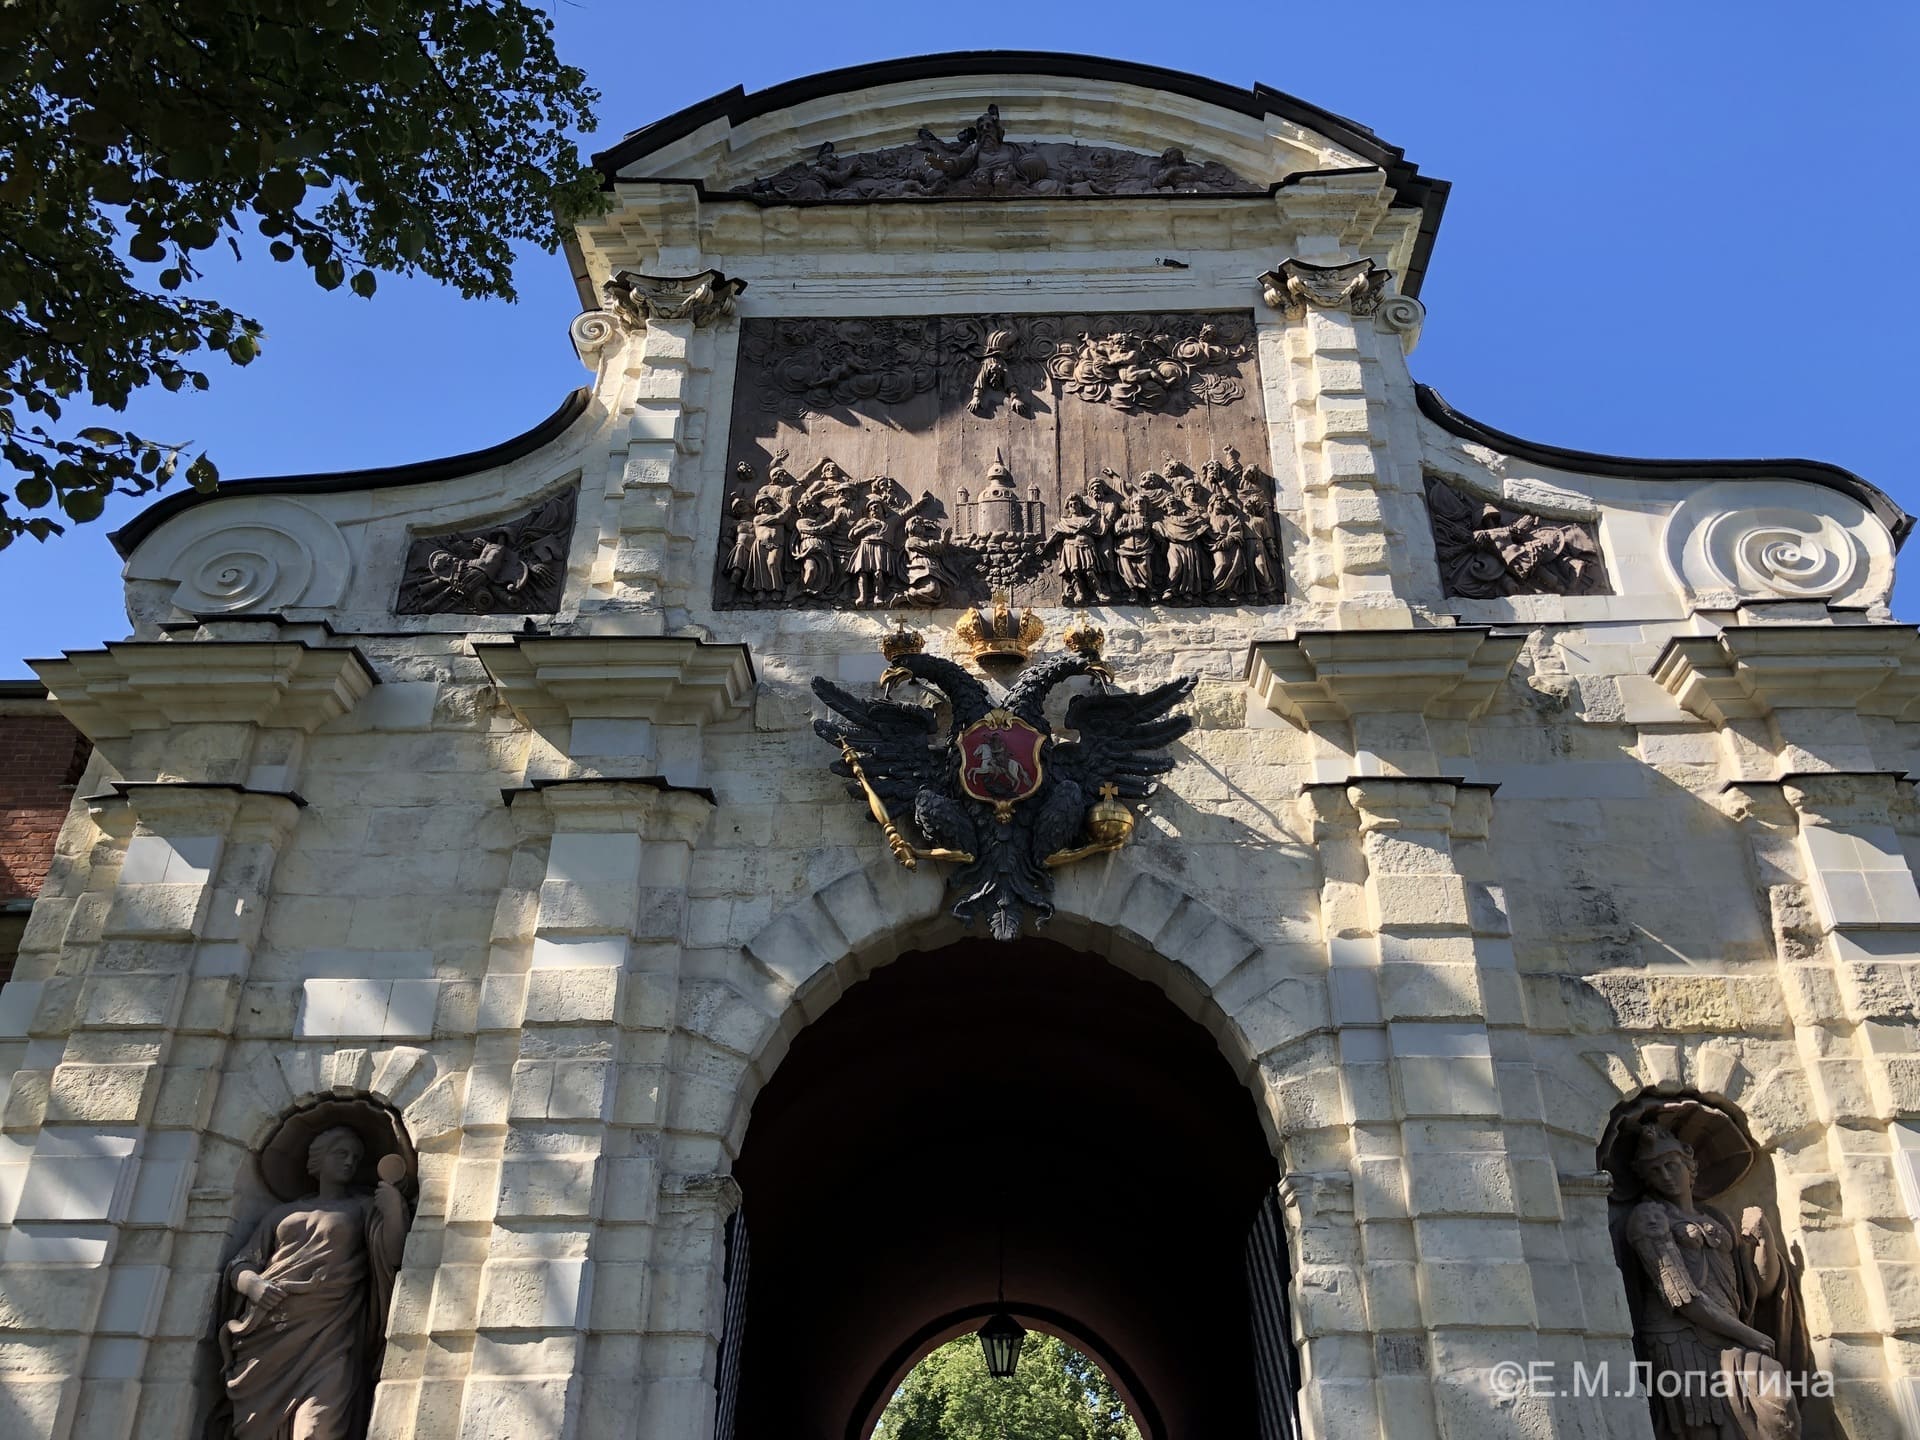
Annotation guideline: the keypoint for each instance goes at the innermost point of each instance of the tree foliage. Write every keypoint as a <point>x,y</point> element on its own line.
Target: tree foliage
<point>349,136</point>
<point>1057,1394</point>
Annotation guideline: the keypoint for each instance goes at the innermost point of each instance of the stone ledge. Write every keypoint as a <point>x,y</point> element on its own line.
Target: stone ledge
<point>1746,672</point>
<point>1323,676</point>
<point>151,685</point>
<point>548,680</point>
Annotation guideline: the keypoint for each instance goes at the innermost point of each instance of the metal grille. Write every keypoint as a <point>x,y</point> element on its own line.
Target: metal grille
<point>1276,1366</point>
<point>733,1327</point>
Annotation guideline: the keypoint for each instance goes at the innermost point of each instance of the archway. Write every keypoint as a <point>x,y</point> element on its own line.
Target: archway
<point>983,1090</point>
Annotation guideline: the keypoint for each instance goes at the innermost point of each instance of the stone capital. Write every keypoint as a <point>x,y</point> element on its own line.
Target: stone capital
<point>647,806</point>
<point>189,807</point>
<point>1321,676</point>
<point>701,299</point>
<point>1749,672</point>
<point>664,679</point>
<point>152,685</point>
<point>1294,285</point>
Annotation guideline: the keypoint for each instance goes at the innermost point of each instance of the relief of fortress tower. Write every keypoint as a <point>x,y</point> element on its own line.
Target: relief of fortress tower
<point>1001,633</point>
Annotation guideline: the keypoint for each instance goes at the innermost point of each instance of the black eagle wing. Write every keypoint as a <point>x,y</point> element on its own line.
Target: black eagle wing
<point>1122,738</point>
<point>890,740</point>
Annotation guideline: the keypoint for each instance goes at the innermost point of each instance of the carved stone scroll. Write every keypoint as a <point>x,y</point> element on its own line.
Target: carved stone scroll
<point>1488,551</point>
<point>932,460</point>
<point>1293,285</point>
<point>515,567</point>
<point>701,298</point>
<point>981,160</point>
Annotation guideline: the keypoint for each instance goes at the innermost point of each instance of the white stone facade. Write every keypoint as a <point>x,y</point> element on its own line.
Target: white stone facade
<point>1447,879</point>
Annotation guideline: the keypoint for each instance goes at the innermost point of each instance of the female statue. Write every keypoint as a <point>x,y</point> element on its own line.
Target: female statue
<point>301,1356</point>
<point>1713,1306</point>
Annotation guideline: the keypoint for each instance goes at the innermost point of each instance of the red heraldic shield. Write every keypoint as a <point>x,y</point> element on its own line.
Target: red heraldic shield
<point>1000,759</point>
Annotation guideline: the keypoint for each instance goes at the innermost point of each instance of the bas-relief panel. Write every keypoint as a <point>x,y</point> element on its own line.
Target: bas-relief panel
<point>1080,458</point>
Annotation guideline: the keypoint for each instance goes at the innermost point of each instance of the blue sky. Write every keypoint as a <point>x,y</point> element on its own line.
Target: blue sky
<point>1676,229</point>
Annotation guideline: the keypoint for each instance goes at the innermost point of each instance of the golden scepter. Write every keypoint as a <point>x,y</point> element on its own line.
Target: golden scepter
<point>903,851</point>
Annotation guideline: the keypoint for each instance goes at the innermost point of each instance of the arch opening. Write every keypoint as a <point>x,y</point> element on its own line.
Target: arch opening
<point>983,1097</point>
<point>1061,1388</point>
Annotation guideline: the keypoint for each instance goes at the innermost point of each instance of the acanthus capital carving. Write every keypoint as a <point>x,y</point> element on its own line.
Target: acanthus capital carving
<point>702,298</point>
<point>1358,286</point>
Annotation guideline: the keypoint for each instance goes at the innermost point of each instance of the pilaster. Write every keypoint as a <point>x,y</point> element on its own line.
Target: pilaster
<point>645,556</point>
<point>1334,397</point>
<point>563,1285</point>
<point>1820,820</point>
<point>128,998</point>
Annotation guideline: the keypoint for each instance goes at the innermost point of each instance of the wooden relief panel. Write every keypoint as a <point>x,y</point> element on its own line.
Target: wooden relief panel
<point>1080,459</point>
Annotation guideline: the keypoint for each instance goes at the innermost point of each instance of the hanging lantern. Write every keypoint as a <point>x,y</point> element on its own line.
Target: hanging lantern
<point>1000,1340</point>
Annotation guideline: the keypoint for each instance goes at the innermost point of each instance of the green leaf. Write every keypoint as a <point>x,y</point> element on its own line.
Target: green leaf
<point>33,491</point>
<point>283,189</point>
<point>146,246</point>
<point>100,435</point>
<point>202,475</point>
<point>83,505</point>
<point>364,284</point>
<point>330,274</point>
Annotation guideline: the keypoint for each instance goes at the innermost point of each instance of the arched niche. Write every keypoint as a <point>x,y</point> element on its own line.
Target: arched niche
<point>275,1180</point>
<point>982,1095</point>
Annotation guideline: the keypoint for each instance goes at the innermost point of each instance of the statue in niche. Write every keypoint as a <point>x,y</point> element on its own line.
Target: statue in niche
<point>1488,551</point>
<point>515,568</point>
<point>306,1299</point>
<point>1711,1300</point>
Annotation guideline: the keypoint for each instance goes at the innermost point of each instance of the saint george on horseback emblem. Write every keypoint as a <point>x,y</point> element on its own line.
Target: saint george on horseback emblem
<point>1000,760</point>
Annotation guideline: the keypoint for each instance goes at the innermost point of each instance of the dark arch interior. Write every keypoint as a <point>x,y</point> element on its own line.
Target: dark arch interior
<point>987,1083</point>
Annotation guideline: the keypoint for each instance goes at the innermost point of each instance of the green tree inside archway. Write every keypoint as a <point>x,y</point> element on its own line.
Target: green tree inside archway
<point>1057,1394</point>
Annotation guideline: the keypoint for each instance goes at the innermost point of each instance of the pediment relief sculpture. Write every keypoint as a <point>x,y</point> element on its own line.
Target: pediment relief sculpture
<point>1488,551</point>
<point>305,1302</point>
<point>1171,536</point>
<point>515,567</point>
<point>982,161</point>
<point>1000,452</point>
<point>1165,362</point>
<point>1709,1298</point>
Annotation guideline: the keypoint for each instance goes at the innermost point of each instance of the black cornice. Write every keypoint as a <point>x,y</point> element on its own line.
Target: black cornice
<point>1411,189</point>
<point>383,477</point>
<point>1626,467</point>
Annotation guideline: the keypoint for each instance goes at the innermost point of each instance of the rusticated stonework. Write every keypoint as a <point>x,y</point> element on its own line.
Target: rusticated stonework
<point>1487,551</point>
<point>982,161</point>
<point>929,461</point>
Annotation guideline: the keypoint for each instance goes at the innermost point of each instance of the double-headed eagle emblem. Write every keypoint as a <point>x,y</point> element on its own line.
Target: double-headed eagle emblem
<point>1000,795</point>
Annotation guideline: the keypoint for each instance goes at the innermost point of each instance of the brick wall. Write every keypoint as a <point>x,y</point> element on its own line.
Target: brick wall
<point>41,757</point>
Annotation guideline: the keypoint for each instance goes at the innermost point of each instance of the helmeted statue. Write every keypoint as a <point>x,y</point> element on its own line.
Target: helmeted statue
<point>1714,1304</point>
<point>307,1297</point>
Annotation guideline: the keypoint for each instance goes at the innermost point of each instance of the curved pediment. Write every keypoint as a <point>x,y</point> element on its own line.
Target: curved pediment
<point>1074,126</point>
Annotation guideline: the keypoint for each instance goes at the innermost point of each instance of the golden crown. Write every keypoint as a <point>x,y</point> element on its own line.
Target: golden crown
<point>901,641</point>
<point>997,634</point>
